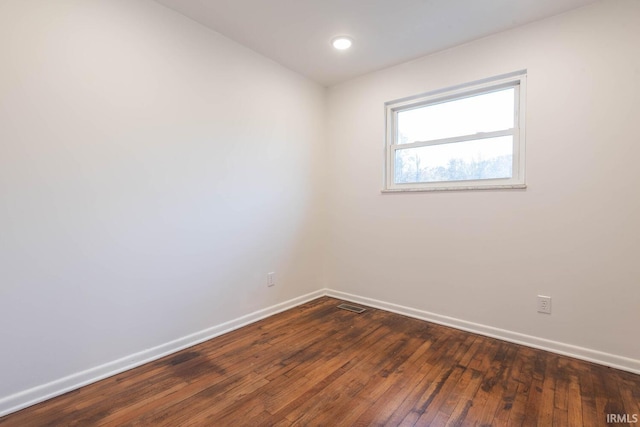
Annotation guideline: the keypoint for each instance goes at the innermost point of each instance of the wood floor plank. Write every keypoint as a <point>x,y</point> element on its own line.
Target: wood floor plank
<point>482,363</point>
<point>425,392</point>
<point>494,382</point>
<point>464,400</point>
<point>587,398</point>
<point>347,387</point>
<point>437,395</point>
<point>318,365</point>
<point>545,414</point>
<point>523,376</point>
<point>630,394</point>
<point>514,364</point>
<point>574,402</point>
<point>383,407</point>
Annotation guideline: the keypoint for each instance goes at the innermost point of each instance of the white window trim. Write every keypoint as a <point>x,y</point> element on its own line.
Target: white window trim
<point>517,79</point>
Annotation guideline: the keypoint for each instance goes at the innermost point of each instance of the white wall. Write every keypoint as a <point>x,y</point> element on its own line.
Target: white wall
<point>482,257</point>
<point>151,173</point>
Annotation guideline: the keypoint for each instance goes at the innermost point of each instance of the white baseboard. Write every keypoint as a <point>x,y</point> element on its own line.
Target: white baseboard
<point>582,353</point>
<point>23,399</point>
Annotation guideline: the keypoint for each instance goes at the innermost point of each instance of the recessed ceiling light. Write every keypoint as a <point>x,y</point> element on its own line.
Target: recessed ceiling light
<point>342,42</point>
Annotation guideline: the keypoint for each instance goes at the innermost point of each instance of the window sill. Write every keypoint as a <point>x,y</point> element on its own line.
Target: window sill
<point>455,188</point>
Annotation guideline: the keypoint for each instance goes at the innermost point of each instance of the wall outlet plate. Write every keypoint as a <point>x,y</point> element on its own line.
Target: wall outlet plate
<point>544,304</point>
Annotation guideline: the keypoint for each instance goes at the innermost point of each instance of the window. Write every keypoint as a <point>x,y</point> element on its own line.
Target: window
<point>467,137</point>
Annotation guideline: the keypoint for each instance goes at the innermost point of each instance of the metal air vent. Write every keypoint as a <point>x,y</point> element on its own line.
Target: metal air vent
<point>353,308</point>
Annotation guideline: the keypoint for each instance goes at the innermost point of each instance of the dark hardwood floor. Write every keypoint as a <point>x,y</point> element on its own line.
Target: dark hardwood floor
<point>319,365</point>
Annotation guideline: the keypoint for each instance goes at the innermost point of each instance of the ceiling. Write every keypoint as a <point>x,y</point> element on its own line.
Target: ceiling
<point>297,33</point>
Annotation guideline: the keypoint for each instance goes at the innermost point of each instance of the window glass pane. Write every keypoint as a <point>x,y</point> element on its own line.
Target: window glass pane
<point>488,158</point>
<point>486,112</point>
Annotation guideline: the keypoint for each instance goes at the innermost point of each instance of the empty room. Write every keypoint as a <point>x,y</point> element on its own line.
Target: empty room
<point>322,213</point>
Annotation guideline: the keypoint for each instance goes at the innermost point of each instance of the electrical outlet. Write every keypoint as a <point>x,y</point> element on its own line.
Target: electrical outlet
<point>544,304</point>
<point>271,279</point>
